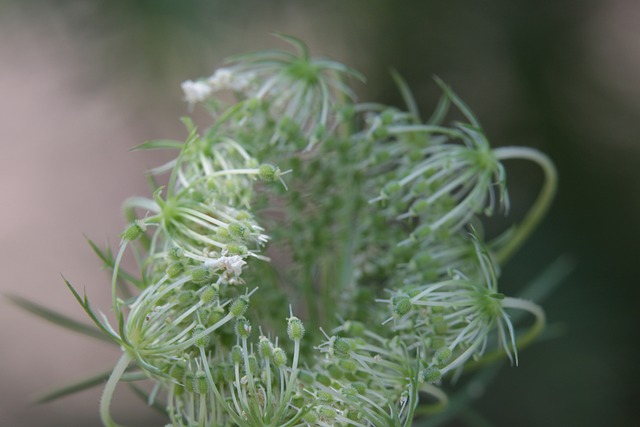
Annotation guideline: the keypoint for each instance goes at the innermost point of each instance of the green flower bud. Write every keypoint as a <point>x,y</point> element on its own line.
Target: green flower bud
<point>175,269</point>
<point>431,375</point>
<point>279,357</point>
<point>175,254</point>
<point>134,231</point>
<point>237,249</point>
<point>178,390</point>
<point>239,306</point>
<point>238,231</point>
<point>421,233</point>
<point>402,305</point>
<point>391,188</point>
<point>440,326</point>
<point>437,309</point>
<point>201,340</point>
<point>420,206</point>
<point>243,216</point>
<point>208,294</point>
<point>360,387</point>
<point>387,117</point>
<point>353,415</point>
<point>187,297</point>
<point>381,132</point>
<point>189,378</point>
<point>295,328</point>
<point>323,379</point>
<point>253,364</point>
<point>200,382</point>
<point>437,342</point>
<point>349,365</point>
<point>227,372</point>
<point>310,418</point>
<point>335,371</point>
<point>264,347</point>
<point>236,355</point>
<point>349,392</point>
<point>297,401</point>
<point>327,412</point>
<point>324,396</point>
<point>268,173</point>
<point>177,370</point>
<point>442,356</point>
<point>243,327</point>
<point>201,276</point>
<point>340,347</point>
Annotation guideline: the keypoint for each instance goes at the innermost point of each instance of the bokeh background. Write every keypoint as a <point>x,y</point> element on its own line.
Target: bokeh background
<point>83,81</point>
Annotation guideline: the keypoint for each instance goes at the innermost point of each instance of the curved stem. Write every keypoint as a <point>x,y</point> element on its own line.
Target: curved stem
<point>540,206</point>
<point>533,308</point>
<point>523,341</point>
<point>109,389</point>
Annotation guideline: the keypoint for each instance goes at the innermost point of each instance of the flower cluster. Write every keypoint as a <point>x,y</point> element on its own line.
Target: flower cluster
<point>373,222</point>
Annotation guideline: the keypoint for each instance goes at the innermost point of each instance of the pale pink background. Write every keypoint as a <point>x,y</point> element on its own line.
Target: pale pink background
<point>64,170</point>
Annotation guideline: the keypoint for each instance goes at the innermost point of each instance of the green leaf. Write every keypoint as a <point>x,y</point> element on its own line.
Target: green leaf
<point>84,384</point>
<point>109,262</point>
<point>190,125</point>
<point>302,49</point>
<point>58,318</point>
<point>441,111</point>
<point>159,144</point>
<point>407,96</point>
<point>84,302</point>
<point>464,109</point>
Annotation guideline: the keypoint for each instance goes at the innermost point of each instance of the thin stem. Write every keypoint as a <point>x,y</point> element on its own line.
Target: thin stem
<point>533,308</point>
<point>109,389</point>
<point>114,276</point>
<point>523,341</point>
<point>540,206</point>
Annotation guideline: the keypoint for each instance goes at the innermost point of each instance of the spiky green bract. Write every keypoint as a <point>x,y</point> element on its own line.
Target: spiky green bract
<point>359,203</point>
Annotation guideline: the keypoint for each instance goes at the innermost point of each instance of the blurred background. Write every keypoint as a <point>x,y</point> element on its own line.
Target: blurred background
<point>81,82</point>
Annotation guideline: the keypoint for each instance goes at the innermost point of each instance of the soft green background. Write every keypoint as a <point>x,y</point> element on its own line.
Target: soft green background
<point>82,81</point>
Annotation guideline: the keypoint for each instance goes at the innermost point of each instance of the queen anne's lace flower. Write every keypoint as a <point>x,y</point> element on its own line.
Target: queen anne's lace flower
<point>205,285</point>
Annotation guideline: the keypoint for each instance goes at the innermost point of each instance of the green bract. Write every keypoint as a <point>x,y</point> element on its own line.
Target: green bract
<point>375,243</point>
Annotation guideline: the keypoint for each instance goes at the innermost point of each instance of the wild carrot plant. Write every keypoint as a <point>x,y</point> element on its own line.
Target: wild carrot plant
<point>309,260</point>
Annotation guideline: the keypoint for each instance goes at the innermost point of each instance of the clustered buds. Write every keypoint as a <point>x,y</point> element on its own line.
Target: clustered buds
<point>375,230</point>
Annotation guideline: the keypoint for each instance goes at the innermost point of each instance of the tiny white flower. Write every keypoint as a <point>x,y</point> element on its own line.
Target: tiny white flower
<point>221,79</point>
<point>195,91</point>
<point>231,264</point>
<point>226,78</point>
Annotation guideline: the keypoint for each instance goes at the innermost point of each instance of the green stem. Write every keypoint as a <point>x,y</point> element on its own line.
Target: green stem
<point>540,206</point>
<point>523,341</point>
<point>109,389</point>
<point>540,319</point>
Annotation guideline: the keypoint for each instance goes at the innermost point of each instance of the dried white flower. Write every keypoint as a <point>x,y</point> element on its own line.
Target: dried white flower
<point>196,91</point>
<point>226,78</point>
<point>232,265</point>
